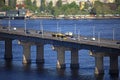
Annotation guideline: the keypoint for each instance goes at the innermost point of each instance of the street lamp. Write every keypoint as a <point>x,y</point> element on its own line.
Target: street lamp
<point>93,31</point>
<point>78,35</point>
<point>113,34</point>
<point>75,29</point>
<point>25,26</point>
<point>41,26</point>
<point>9,24</point>
<point>57,26</point>
<point>99,37</point>
<point>93,38</point>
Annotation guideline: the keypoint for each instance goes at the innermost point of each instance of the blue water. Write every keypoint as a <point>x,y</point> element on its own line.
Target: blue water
<point>15,70</point>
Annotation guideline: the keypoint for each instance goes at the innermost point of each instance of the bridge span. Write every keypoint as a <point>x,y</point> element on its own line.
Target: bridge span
<point>98,48</point>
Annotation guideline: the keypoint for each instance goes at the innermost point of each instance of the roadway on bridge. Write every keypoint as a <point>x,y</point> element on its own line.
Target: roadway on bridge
<point>48,35</point>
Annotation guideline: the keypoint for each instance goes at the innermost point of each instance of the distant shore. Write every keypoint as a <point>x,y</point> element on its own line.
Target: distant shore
<point>76,18</point>
<point>69,18</point>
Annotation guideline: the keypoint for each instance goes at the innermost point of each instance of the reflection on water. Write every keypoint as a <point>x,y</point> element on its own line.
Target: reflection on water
<point>39,72</point>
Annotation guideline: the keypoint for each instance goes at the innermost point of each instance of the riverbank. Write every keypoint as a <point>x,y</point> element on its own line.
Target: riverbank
<point>67,17</point>
<point>76,17</point>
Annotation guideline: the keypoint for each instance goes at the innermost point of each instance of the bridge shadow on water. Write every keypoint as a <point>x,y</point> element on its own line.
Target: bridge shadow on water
<point>9,70</point>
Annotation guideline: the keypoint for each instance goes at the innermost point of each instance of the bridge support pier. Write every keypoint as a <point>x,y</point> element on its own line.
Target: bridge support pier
<point>114,65</point>
<point>60,58</point>
<point>74,59</point>
<point>40,53</point>
<point>99,68</point>
<point>26,53</point>
<point>8,49</point>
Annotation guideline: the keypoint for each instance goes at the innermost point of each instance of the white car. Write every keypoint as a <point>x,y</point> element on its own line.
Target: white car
<point>14,28</point>
<point>85,38</point>
<point>93,39</point>
<point>69,34</point>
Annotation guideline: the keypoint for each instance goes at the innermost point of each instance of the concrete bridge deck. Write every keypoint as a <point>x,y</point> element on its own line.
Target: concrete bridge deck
<point>98,47</point>
<point>19,34</point>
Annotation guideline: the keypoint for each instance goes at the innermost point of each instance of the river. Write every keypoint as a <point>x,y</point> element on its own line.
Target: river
<point>15,70</point>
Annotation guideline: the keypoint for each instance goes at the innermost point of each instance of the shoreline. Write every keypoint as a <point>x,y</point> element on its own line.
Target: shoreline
<point>65,18</point>
<point>80,18</point>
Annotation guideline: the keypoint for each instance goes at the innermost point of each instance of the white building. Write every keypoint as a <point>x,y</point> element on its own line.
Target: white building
<point>19,1</point>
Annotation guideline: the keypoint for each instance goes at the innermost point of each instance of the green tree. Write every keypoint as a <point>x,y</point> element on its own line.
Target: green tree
<point>50,7</point>
<point>43,6</point>
<point>73,8</point>
<point>59,3</point>
<point>28,3</point>
<point>31,5</point>
<point>98,6</point>
<point>11,5</point>
<point>2,3</point>
<point>117,2</point>
<point>64,9</point>
<point>118,10</point>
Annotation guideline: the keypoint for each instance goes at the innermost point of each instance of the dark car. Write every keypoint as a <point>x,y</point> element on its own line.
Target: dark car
<point>27,31</point>
<point>4,27</point>
<point>117,42</point>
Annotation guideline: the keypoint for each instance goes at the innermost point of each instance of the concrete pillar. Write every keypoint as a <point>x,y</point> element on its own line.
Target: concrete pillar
<point>8,49</point>
<point>40,53</point>
<point>26,53</point>
<point>99,66</point>
<point>74,59</point>
<point>114,65</point>
<point>60,57</point>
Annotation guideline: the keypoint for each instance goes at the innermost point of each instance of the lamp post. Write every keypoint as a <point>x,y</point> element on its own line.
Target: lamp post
<point>79,35</point>
<point>99,37</point>
<point>113,34</point>
<point>25,25</point>
<point>9,24</point>
<point>57,26</point>
<point>93,31</point>
<point>75,29</point>
<point>41,27</point>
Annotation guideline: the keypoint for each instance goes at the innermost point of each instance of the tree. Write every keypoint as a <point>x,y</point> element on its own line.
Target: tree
<point>118,10</point>
<point>74,8</point>
<point>59,3</point>
<point>98,6</point>
<point>50,7</point>
<point>28,3</point>
<point>10,6</point>
<point>117,2</point>
<point>64,9</point>
<point>43,6</point>
<point>102,8</point>
<point>2,3</point>
<point>34,3</point>
<point>31,5</point>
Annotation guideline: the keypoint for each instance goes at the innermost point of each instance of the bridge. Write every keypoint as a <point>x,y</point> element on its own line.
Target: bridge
<point>98,48</point>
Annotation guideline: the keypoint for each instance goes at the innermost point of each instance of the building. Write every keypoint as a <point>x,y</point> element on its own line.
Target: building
<point>20,4</point>
<point>19,1</point>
